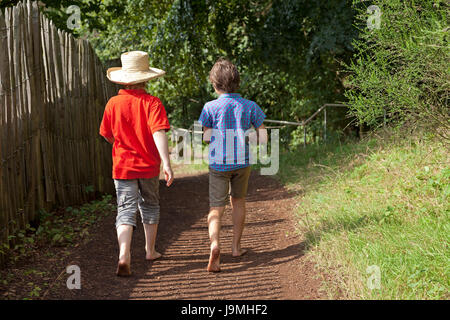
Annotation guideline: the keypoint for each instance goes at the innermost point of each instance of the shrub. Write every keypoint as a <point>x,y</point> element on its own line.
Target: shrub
<point>400,71</point>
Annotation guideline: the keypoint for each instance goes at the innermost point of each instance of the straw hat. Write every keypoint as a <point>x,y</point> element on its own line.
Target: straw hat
<point>135,69</point>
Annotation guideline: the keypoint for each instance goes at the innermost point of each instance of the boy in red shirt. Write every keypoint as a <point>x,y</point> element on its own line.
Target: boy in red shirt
<point>136,124</point>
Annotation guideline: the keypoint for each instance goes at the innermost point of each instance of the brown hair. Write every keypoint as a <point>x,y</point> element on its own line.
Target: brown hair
<point>140,85</point>
<point>224,76</point>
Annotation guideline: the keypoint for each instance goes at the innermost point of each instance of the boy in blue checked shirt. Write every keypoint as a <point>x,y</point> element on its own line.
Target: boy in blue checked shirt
<point>226,121</point>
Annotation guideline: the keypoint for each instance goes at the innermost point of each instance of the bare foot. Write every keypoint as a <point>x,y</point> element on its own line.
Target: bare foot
<point>214,260</point>
<point>123,269</point>
<point>238,253</point>
<point>153,255</point>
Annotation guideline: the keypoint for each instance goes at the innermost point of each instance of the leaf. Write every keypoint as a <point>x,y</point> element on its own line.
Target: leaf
<point>57,237</point>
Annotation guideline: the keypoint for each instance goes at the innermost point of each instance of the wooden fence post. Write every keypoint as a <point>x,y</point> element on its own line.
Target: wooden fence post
<point>53,90</point>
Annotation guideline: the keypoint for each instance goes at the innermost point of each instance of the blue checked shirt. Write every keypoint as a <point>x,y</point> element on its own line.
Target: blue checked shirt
<point>230,116</point>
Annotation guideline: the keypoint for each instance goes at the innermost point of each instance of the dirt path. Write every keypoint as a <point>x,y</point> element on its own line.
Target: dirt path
<point>274,267</point>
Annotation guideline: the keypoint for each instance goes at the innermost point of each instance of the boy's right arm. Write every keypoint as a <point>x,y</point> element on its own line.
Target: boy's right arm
<point>258,117</point>
<point>158,124</point>
<point>162,145</point>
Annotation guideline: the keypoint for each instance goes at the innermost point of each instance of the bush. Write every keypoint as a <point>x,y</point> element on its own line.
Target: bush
<point>400,71</point>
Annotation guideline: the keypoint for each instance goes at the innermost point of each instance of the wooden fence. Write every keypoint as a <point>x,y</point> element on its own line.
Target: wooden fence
<point>53,91</point>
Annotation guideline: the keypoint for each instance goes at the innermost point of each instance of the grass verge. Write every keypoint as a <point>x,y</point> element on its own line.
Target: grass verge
<point>375,215</point>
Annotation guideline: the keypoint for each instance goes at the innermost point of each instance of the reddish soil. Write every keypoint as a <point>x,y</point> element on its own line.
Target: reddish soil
<point>273,268</point>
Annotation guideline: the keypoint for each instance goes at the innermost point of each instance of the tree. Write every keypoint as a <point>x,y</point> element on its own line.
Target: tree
<point>288,51</point>
<point>400,71</point>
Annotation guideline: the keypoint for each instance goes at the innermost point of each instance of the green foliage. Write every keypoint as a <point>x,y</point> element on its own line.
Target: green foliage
<point>35,291</point>
<point>293,55</point>
<point>383,201</point>
<point>401,69</point>
<point>56,10</point>
<point>288,52</point>
<point>59,228</point>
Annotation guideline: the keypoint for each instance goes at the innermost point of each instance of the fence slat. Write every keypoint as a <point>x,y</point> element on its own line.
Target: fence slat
<point>11,123</point>
<point>53,90</point>
<point>4,84</point>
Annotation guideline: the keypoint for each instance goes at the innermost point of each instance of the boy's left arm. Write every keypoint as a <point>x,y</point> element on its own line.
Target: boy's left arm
<point>206,121</point>
<point>110,140</point>
<point>207,134</point>
<point>261,133</point>
<point>105,126</point>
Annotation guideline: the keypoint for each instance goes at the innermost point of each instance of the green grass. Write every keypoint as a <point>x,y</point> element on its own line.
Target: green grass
<point>382,201</point>
<point>181,169</point>
<point>189,169</point>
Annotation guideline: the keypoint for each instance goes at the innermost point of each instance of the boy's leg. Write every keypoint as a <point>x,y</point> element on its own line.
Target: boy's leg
<point>124,236</point>
<point>218,198</point>
<point>150,231</point>
<point>239,185</point>
<point>238,216</point>
<point>127,197</point>
<point>214,225</point>
<point>149,208</point>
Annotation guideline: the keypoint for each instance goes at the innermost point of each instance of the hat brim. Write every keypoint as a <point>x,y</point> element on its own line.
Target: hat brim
<point>119,76</point>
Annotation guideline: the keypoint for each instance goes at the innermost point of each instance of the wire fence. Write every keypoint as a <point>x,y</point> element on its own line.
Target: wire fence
<point>305,123</point>
<point>178,132</point>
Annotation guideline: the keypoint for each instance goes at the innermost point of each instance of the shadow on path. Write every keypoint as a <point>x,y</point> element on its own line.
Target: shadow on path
<point>183,241</point>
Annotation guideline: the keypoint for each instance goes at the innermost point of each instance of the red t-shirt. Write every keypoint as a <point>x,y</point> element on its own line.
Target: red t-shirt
<point>131,118</point>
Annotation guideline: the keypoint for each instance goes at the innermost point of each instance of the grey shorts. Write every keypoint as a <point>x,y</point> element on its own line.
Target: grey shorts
<point>134,194</point>
<point>220,183</point>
